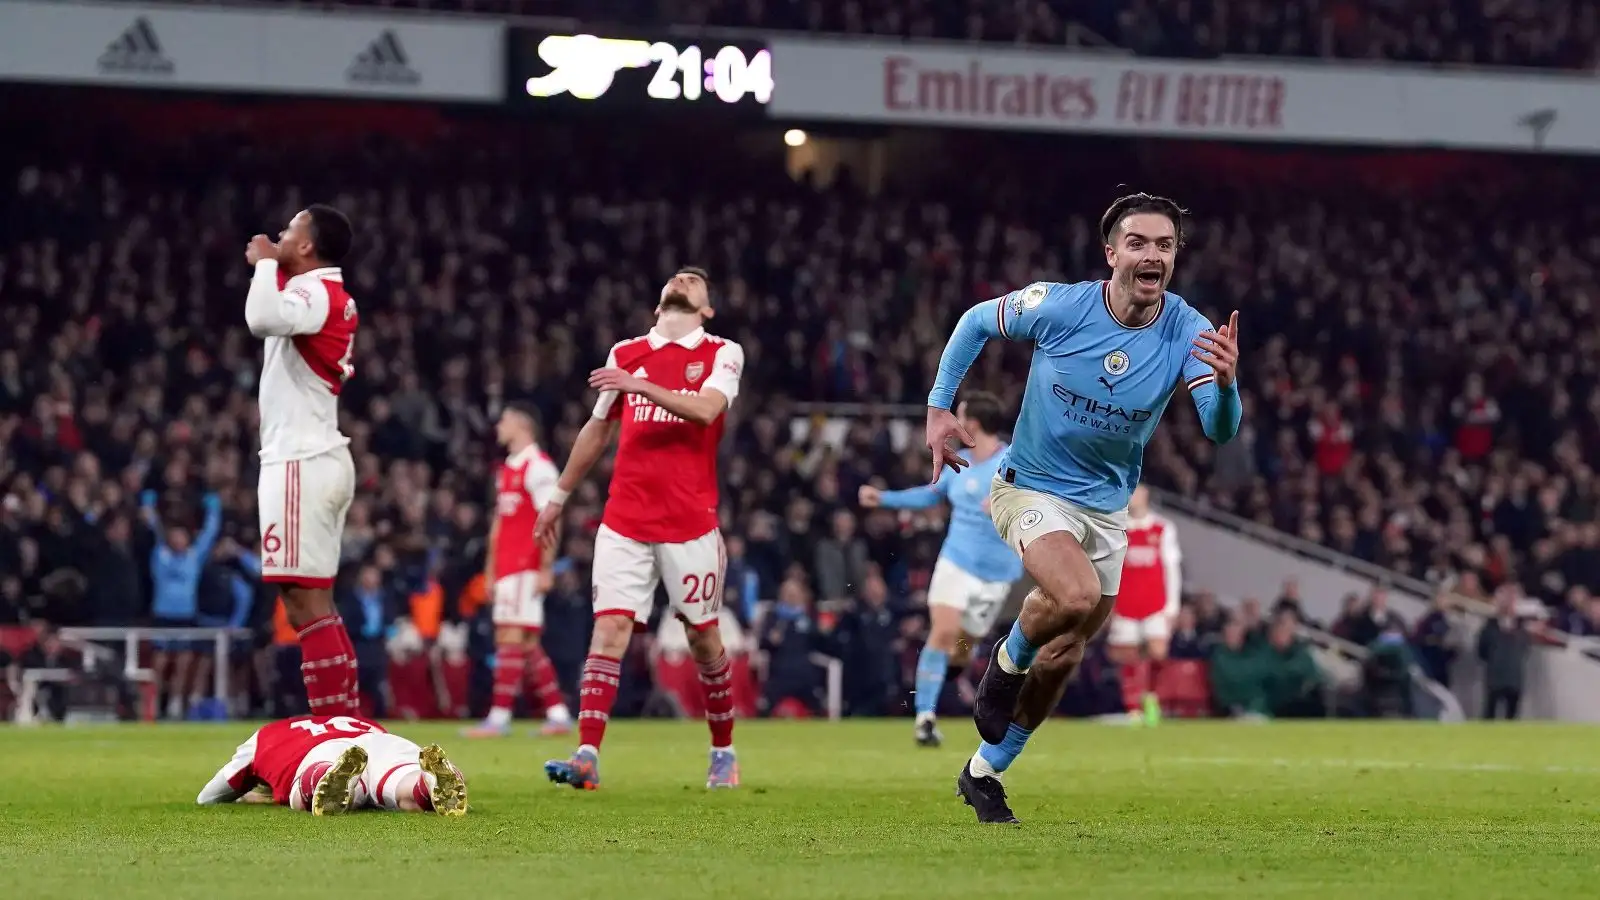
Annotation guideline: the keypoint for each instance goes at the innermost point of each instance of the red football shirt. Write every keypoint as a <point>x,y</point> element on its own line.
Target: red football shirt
<point>664,486</point>
<point>274,753</point>
<point>525,484</point>
<point>1150,575</point>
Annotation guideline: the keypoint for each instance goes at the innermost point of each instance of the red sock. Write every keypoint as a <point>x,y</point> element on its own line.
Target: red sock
<point>328,667</point>
<point>601,675</point>
<point>420,793</point>
<point>508,664</point>
<point>717,683</point>
<point>1135,684</point>
<point>353,677</point>
<point>542,678</point>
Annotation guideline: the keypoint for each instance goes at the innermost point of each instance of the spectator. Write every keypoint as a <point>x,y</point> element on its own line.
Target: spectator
<point>175,568</point>
<point>1386,674</point>
<point>1293,681</point>
<point>789,639</point>
<point>1187,640</point>
<point>1504,643</point>
<point>1435,640</point>
<point>48,652</point>
<point>841,558</point>
<point>369,611</point>
<point>867,641</point>
<point>1238,679</point>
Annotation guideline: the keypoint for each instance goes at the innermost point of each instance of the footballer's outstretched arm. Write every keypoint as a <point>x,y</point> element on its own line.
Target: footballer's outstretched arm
<point>301,309</point>
<point>586,451</point>
<point>233,780</point>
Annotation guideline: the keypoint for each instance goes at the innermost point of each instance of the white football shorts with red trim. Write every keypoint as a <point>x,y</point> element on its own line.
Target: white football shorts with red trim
<point>302,504</point>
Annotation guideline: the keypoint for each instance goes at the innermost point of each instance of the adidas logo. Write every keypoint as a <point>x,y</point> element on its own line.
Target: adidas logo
<point>383,62</point>
<point>136,52</point>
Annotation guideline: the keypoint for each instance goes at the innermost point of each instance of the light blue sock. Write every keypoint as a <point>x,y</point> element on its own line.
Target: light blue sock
<point>1019,649</point>
<point>999,757</point>
<point>931,666</point>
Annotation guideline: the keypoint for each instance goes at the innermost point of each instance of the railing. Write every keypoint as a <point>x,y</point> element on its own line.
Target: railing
<point>1588,647</point>
<point>1449,707</point>
<point>89,642</point>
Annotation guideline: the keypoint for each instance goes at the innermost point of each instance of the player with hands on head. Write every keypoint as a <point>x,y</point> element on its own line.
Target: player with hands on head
<point>1107,357</point>
<point>667,393</point>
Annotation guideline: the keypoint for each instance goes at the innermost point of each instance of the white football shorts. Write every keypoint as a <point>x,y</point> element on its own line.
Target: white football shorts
<point>1021,516</point>
<point>627,571</point>
<point>978,601</point>
<point>302,504</point>
<point>390,758</point>
<point>517,601</point>
<point>1126,632</point>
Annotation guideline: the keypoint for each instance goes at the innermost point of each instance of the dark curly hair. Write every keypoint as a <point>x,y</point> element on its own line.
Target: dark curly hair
<point>1134,204</point>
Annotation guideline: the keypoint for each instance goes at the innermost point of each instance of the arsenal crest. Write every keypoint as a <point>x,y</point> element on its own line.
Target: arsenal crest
<point>693,371</point>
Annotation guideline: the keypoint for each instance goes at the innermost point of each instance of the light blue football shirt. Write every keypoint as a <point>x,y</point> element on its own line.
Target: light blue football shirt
<point>1096,387</point>
<point>971,544</point>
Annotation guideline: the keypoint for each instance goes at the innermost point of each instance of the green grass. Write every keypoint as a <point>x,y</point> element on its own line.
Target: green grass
<point>851,810</point>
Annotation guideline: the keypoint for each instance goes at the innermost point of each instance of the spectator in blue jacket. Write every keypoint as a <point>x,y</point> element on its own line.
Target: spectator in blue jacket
<point>176,563</point>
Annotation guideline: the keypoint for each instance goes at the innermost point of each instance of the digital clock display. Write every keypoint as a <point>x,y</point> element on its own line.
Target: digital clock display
<point>639,72</point>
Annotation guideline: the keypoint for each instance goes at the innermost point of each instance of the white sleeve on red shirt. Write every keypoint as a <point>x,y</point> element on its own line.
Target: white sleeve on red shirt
<point>725,371</point>
<point>233,780</point>
<point>300,308</point>
<point>1171,567</point>
<point>540,481</point>
<point>602,407</point>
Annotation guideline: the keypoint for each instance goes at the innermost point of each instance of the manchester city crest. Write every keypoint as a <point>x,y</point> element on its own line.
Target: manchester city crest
<point>1116,362</point>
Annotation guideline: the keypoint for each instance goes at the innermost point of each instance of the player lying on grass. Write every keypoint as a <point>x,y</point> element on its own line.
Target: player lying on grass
<point>329,765</point>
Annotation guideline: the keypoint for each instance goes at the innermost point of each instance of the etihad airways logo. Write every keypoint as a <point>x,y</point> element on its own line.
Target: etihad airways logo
<point>1099,414</point>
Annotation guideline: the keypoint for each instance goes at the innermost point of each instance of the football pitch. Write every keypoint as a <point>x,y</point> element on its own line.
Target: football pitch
<point>1360,810</point>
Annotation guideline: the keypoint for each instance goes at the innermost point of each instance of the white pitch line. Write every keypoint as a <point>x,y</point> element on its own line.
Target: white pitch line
<point>1314,763</point>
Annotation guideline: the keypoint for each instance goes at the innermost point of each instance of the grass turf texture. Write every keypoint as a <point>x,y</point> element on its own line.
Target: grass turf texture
<point>849,810</point>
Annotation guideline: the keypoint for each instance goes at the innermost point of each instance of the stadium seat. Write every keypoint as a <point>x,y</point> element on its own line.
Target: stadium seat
<point>1184,688</point>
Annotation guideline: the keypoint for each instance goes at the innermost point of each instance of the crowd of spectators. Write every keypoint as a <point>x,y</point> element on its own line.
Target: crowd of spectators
<point>1419,381</point>
<point>1563,34</point>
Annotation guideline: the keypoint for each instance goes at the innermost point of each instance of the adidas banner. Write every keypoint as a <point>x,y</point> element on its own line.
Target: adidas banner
<point>276,52</point>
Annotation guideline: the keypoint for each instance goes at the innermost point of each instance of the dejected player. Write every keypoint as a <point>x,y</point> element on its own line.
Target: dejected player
<point>976,568</point>
<point>1107,357</point>
<point>299,305</point>
<point>520,573</point>
<point>666,392</point>
<point>327,765</point>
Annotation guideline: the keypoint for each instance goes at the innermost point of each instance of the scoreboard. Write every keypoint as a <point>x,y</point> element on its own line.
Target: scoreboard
<point>638,74</point>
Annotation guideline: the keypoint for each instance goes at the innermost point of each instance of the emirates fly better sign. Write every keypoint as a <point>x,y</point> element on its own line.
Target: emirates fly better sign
<point>977,86</point>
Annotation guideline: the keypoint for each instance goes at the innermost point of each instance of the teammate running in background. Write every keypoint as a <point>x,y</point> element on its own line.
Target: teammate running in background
<point>519,572</point>
<point>328,765</point>
<point>667,392</point>
<point>299,304</point>
<point>1107,357</point>
<point>976,568</point>
<point>1146,604</point>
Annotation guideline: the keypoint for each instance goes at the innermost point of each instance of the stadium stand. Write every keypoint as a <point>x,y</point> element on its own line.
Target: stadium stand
<point>1561,34</point>
<point>1412,427</point>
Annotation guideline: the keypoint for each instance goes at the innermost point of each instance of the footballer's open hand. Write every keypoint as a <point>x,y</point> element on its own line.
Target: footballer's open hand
<point>946,436</point>
<point>260,247</point>
<point>1220,350</point>
<point>548,530</point>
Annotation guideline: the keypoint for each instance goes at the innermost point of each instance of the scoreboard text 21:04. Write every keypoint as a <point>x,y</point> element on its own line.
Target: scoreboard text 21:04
<point>638,73</point>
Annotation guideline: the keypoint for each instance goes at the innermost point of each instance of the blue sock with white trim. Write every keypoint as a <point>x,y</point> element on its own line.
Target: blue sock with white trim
<point>994,759</point>
<point>931,666</point>
<point>1017,653</point>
